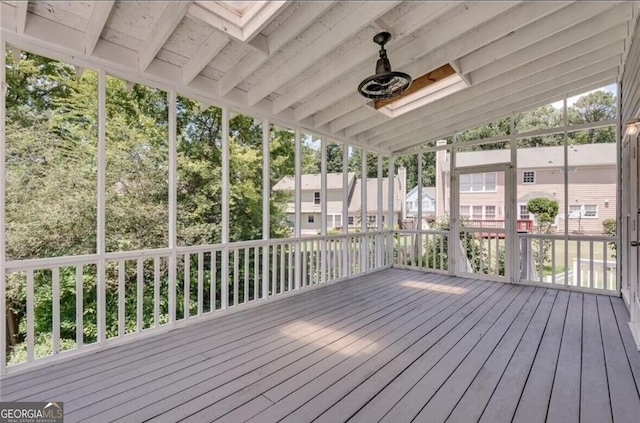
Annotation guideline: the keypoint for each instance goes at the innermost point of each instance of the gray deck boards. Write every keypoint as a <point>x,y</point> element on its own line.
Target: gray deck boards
<point>393,346</point>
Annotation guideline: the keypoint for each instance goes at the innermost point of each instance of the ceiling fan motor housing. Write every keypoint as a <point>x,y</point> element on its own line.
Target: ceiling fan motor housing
<point>385,83</point>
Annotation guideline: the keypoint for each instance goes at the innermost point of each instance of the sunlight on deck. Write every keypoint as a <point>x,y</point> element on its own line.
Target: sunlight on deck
<point>345,343</point>
<point>434,287</point>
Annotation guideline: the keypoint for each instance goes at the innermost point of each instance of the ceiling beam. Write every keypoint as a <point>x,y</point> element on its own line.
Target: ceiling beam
<point>347,105</point>
<point>517,101</point>
<point>495,92</point>
<point>366,53</point>
<point>22,10</point>
<point>436,36</point>
<point>258,22</point>
<point>420,16</point>
<point>531,34</point>
<point>484,34</point>
<point>363,112</point>
<point>546,97</point>
<point>323,45</point>
<point>60,42</point>
<point>571,35</point>
<point>170,19</point>
<point>522,88</point>
<point>507,72</point>
<point>209,49</point>
<point>200,12</point>
<point>99,15</point>
<point>301,20</point>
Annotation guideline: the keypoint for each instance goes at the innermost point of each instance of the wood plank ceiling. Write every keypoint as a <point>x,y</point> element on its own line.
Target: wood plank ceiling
<point>300,62</point>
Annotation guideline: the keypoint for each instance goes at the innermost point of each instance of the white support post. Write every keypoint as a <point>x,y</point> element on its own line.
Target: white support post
<point>323,208</point>
<point>101,296</point>
<point>266,192</point>
<point>224,278</point>
<point>298,210</point>
<point>454,210</point>
<point>418,240</point>
<point>266,182</point>
<point>345,210</point>
<point>173,206</point>
<point>512,255</point>
<point>364,253</point>
<point>3,279</point>
<point>565,122</point>
<point>619,211</point>
<point>390,209</point>
<point>379,215</point>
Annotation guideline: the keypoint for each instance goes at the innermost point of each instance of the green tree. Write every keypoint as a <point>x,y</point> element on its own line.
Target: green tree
<point>597,106</point>
<point>545,211</point>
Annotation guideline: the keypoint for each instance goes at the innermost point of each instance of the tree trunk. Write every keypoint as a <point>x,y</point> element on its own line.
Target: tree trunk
<point>12,328</point>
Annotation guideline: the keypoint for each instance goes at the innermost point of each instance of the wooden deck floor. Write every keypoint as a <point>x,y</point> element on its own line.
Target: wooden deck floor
<point>394,346</point>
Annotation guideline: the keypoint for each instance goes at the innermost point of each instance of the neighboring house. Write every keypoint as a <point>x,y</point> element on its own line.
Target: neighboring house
<point>311,200</point>
<point>428,202</point>
<point>591,175</point>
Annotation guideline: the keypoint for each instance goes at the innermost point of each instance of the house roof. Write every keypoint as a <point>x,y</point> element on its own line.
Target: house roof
<point>300,62</point>
<point>313,181</point>
<point>372,195</point>
<point>426,192</point>
<point>544,157</point>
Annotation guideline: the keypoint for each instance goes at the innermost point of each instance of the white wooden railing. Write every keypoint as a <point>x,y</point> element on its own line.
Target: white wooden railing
<point>580,262</point>
<point>138,293</point>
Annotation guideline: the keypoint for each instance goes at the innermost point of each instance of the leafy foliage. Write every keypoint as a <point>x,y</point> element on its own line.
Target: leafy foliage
<point>545,211</point>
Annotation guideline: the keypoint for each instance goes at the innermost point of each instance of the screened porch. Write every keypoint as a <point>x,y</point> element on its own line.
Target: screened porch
<point>204,219</point>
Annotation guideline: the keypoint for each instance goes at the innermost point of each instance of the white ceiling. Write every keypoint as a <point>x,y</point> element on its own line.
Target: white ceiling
<point>300,62</point>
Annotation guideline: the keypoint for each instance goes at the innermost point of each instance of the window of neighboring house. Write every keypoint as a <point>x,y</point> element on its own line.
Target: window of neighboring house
<point>529,177</point>
<point>523,212</point>
<point>586,211</point>
<point>316,197</point>
<point>477,213</point>
<point>371,218</point>
<point>350,220</point>
<point>465,212</point>
<point>590,211</point>
<point>575,211</point>
<point>490,212</point>
<point>383,218</point>
<point>311,219</point>
<point>478,182</point>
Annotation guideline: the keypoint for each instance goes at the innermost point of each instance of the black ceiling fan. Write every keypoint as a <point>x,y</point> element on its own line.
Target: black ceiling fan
<point>385,83</point>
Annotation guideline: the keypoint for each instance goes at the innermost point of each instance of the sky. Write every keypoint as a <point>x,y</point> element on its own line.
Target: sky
<point>609,88</point>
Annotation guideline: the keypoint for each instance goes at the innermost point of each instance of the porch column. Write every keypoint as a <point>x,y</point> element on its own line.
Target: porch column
<point>380,235</point>
<point>391,212</point>
<point>512,258</point>
<point>454,210</point>
<point>173,164</point>
<point>565,123</point>
<point>224,279</point>
<point>3,288</point>
<point>364,242</point>
<point>297,206</point>
<point>101,299</point>
<point>345,211</point>
<point>266,212</point>
<point>418,238</point>
<point>323,208</point>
